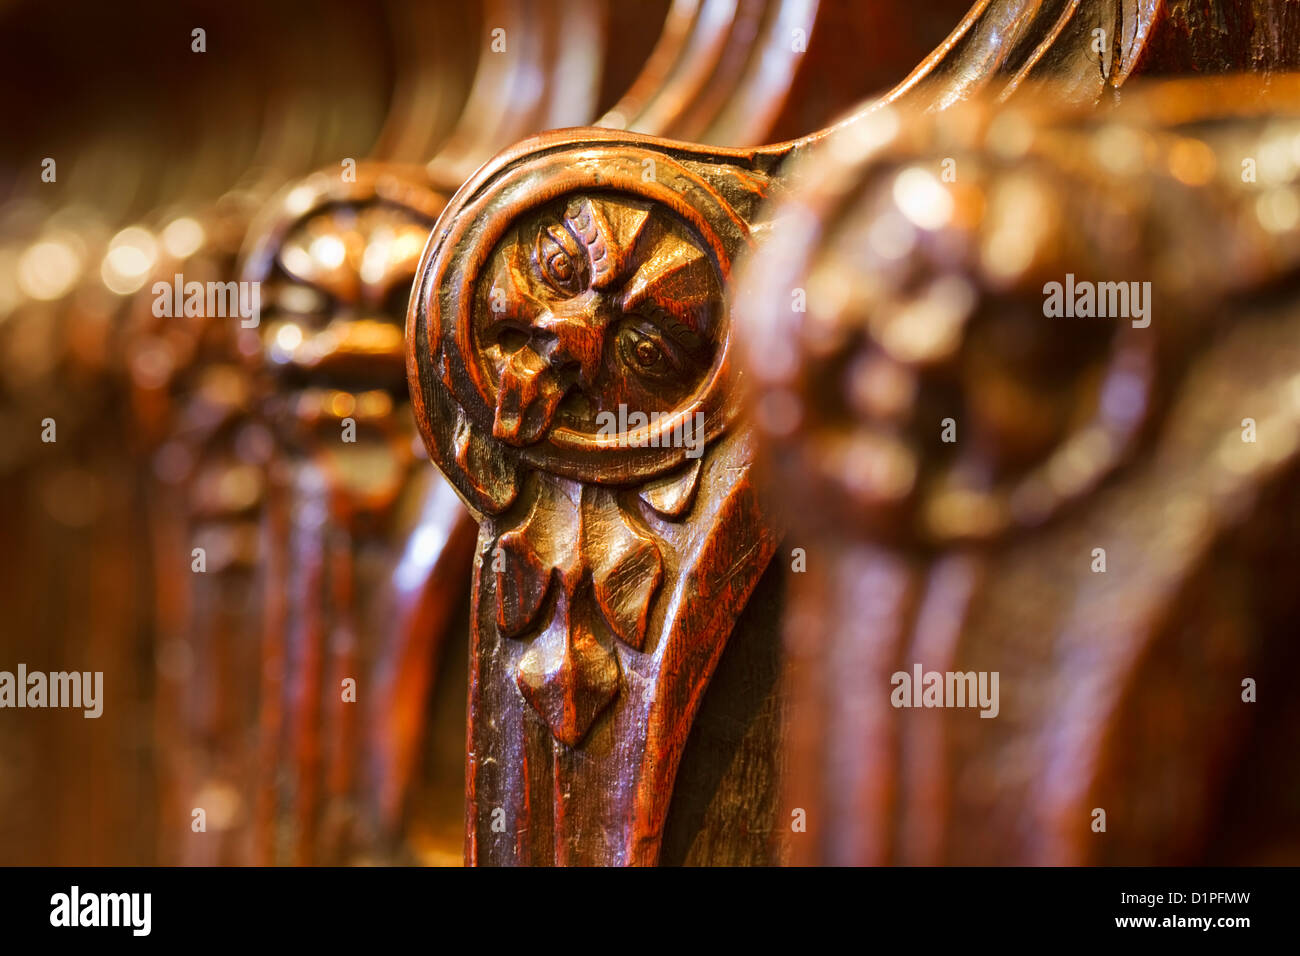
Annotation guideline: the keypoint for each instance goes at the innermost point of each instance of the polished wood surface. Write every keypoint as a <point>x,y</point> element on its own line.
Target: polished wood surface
<point>517,332</point>
<point>610,555</point>
<point>606,578</point>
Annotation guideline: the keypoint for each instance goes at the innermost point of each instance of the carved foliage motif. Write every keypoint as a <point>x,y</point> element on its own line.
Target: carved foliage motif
<point>613,558</point>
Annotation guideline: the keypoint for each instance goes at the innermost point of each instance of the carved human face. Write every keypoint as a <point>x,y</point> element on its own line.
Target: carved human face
<point>592,304</point>
<point>339,301</point>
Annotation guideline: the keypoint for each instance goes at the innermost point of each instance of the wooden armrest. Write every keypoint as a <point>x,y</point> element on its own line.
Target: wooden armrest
<point>577,283</point>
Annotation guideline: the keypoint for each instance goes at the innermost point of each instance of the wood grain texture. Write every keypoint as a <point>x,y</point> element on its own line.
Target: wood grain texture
<point>528,324</point>
<point>566,285</point>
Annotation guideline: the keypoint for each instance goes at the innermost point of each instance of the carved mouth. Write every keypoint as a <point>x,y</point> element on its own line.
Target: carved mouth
<point>530,393</point>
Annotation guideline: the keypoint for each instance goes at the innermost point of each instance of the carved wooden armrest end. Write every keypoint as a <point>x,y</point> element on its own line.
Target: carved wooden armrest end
<point>570,364</point>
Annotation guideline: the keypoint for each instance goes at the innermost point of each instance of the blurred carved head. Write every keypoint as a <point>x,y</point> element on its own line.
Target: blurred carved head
<point>336,260</point>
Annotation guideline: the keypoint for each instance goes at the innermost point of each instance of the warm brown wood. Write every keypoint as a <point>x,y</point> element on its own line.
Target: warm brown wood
<point>1120,688</point>
<point>515,347</point>
<point>171,438</point>
<point>366,555</point>
<point>745,54</point>
<point>538,67</point>
<point>307,558</point>
<point>612,564</point>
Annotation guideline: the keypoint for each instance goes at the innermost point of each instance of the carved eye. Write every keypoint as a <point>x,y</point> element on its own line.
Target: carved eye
<point>560,261</point>
<point>645,351</point>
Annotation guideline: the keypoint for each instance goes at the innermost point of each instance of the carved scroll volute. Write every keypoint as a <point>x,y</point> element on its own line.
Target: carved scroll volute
<point>969,449</point>
<point>569,359</point>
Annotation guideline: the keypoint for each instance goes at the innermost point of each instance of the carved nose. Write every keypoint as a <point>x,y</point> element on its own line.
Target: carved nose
<point>534,380</point>
<point>576,333</point>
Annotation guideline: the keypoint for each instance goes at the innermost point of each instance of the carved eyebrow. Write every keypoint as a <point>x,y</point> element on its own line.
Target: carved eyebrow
<point>678,283</point>
<point>682,336</point>
<point>610,234</point>
<point>518,297</point>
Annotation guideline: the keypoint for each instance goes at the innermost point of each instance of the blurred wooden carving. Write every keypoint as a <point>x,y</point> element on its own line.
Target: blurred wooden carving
<point>366,554</point>
<point>614,572</point>
<point>363,557</point>
<point>717,38</point>
<point>1096,502</point>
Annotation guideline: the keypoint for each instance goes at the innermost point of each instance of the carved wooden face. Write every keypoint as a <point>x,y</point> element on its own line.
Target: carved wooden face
<point>591,305</point>
<point>338,300</point>
<point>570,319</point>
